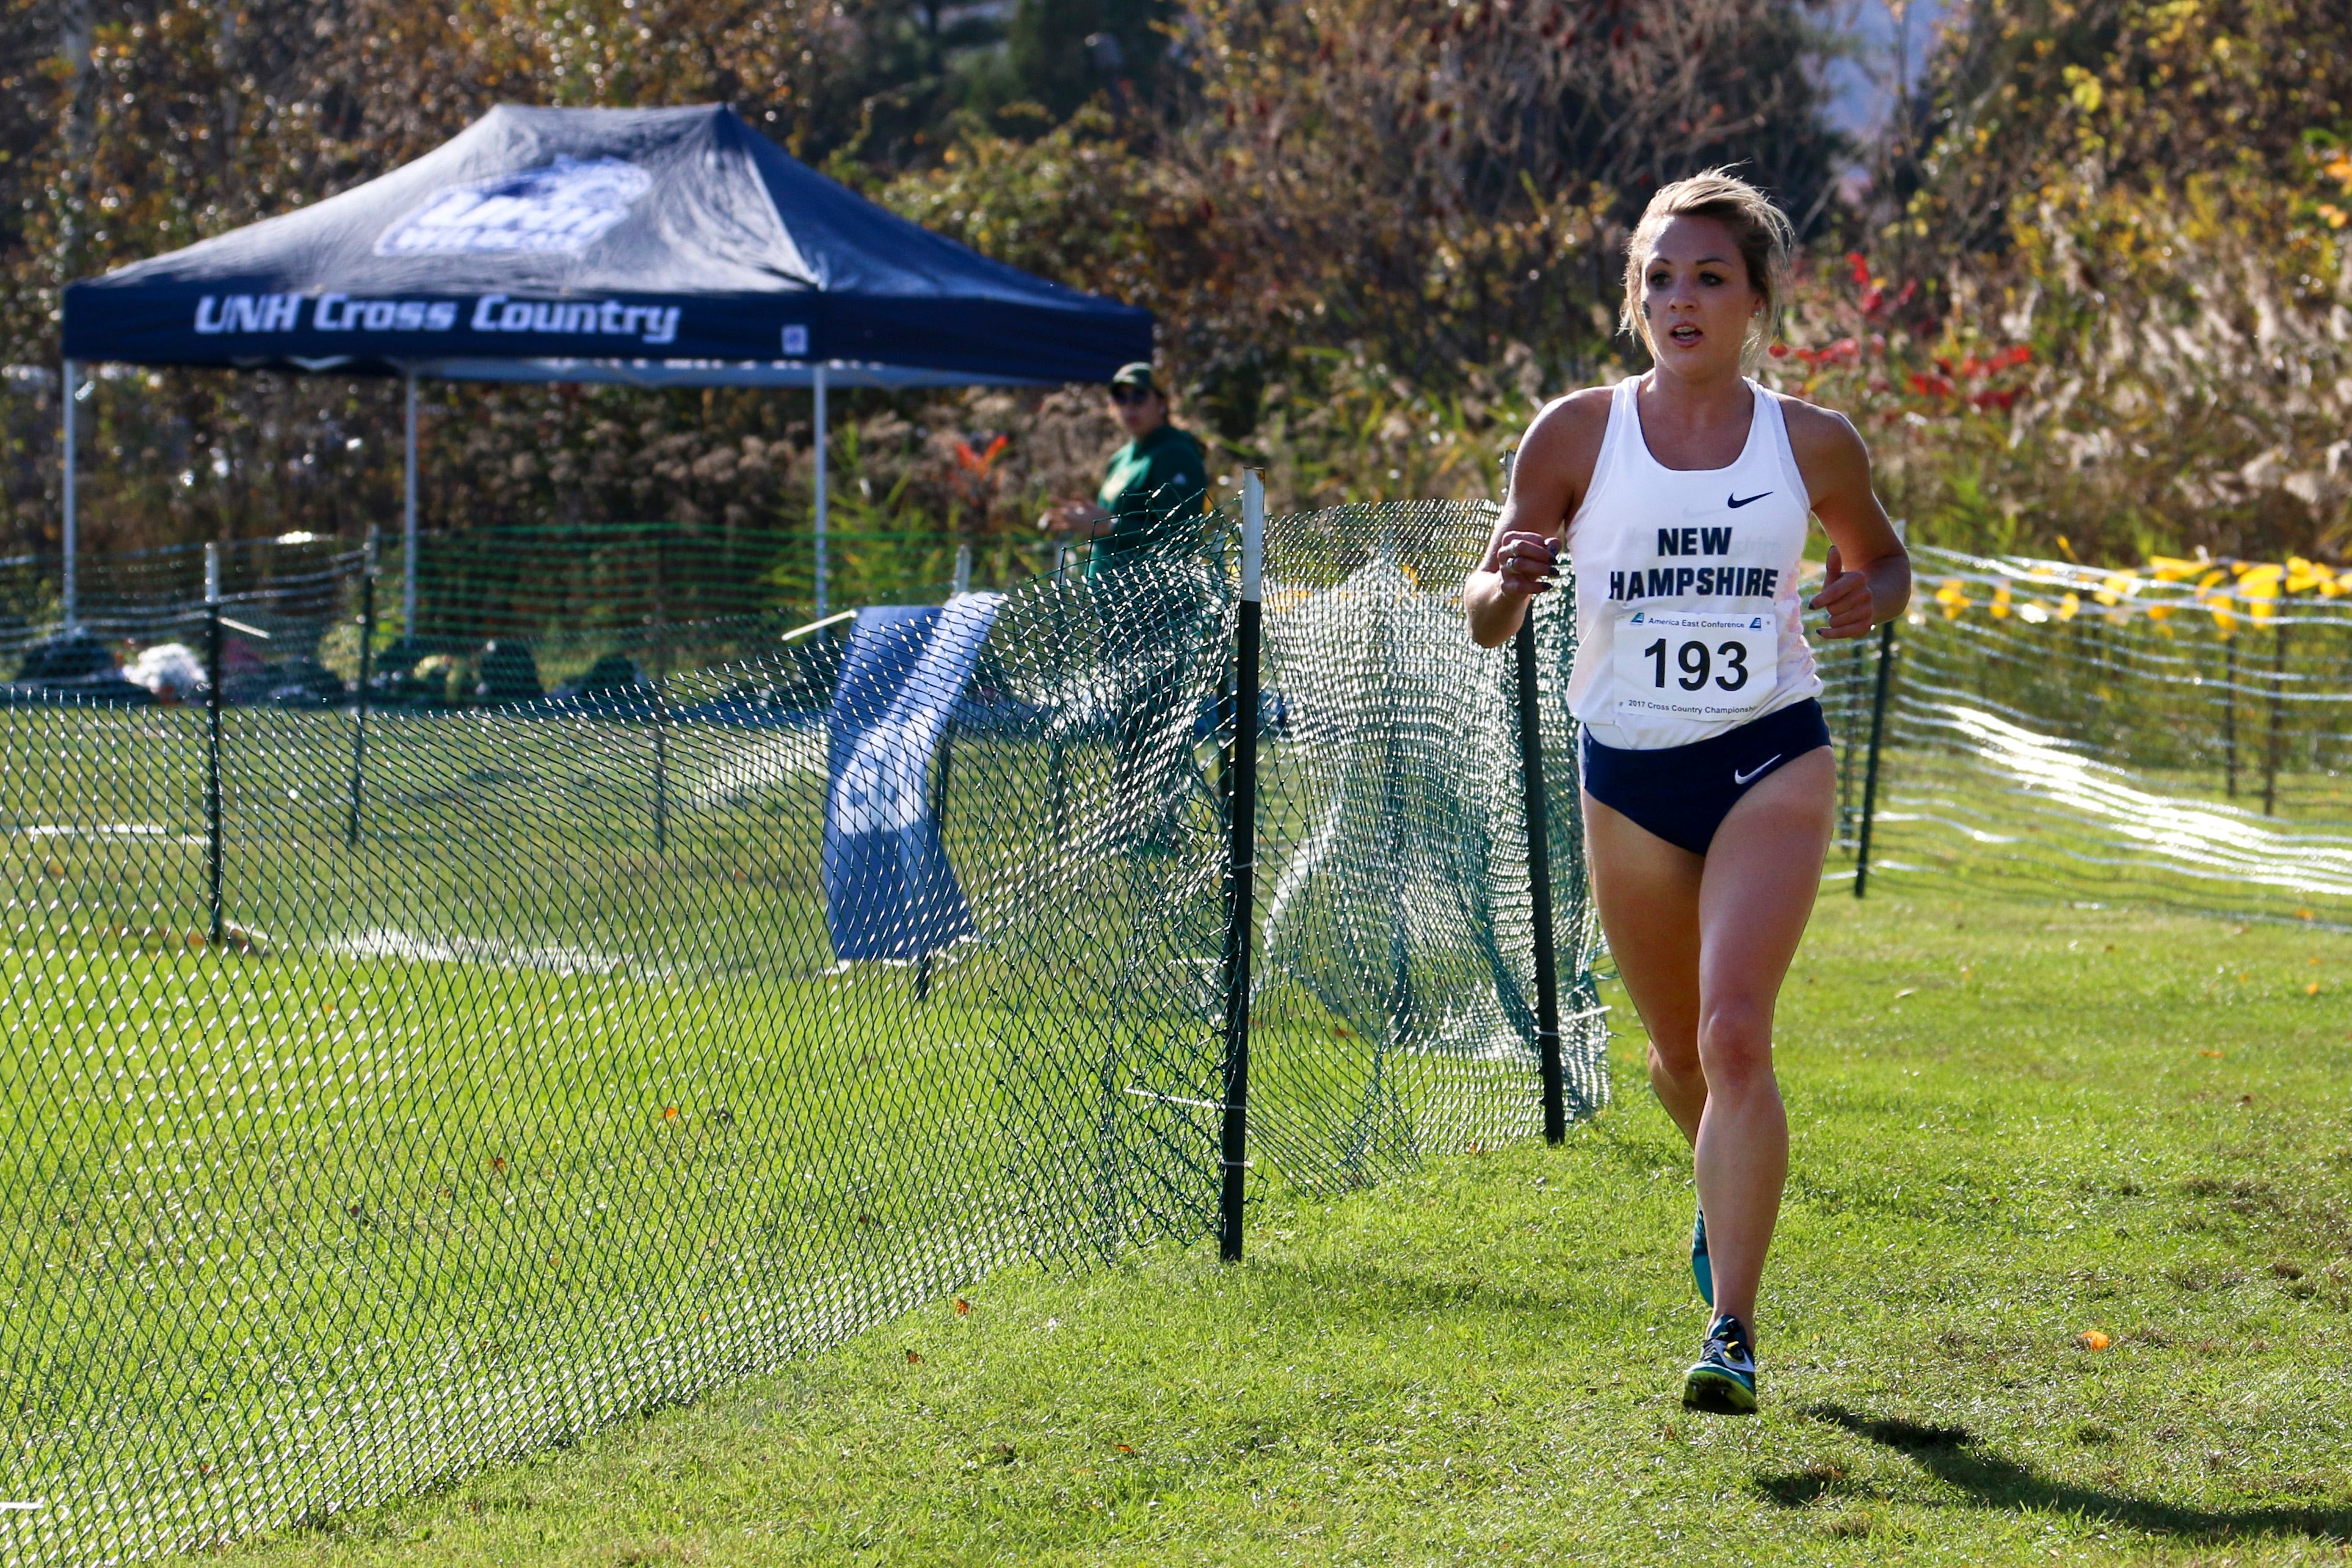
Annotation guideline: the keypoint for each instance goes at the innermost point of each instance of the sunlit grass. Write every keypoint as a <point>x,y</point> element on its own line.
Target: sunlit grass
<point>2017,1128</point>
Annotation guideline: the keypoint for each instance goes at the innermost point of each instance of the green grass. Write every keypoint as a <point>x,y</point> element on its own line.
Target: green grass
<point>514,1118</point>
<point>2015,1125</point>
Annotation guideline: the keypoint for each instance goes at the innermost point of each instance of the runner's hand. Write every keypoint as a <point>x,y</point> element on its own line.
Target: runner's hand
<point>1846,597</point>
<point>1526,562</point>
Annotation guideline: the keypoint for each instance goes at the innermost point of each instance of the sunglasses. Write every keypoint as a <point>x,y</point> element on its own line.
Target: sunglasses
<point>1128,396</point>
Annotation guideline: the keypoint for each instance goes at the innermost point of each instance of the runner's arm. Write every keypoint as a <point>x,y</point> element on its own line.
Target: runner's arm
<point>1868,580</point>
<point>1554,466</point>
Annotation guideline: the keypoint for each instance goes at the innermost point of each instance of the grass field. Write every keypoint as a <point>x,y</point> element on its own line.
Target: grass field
<point>2020,1131</point>
<point>542,1101</point>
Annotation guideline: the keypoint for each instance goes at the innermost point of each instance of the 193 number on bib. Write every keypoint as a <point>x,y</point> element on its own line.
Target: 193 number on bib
<point>1696,664</point>
<point>1675,668</point>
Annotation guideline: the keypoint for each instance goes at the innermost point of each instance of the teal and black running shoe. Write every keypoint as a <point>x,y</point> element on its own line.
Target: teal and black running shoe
<point>1702,1271</point>
<point>1724,1378</point>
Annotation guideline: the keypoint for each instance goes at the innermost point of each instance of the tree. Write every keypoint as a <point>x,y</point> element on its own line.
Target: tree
<point>2151,193</point>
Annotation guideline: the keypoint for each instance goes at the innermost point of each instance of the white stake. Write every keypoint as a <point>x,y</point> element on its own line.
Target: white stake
<point>408,523</point>
<point>73,538</point>
<point>1253,534</point>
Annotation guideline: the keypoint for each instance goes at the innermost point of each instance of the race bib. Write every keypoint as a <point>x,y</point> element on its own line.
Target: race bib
<point>1693,667</point>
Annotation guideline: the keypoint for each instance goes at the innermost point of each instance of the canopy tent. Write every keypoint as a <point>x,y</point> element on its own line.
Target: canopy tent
<point>648,247</point>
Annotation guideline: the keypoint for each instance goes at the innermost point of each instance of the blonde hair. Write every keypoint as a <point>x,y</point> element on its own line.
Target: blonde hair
<point>1761,230</point>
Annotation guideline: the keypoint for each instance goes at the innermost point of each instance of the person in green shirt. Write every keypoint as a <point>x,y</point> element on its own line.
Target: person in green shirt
<point>1157,612</point>
<point>1156,484</point>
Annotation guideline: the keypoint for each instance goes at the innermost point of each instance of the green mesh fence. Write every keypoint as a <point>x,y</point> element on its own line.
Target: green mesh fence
<point>394,1092</point>
<point>1396,936</point>
<point>570,594</point>
<point>144,597</point>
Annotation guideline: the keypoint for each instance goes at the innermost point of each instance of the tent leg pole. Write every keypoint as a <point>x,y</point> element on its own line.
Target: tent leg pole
<point>72,533</point>
<point>819,385</point>
<point>408,518</point>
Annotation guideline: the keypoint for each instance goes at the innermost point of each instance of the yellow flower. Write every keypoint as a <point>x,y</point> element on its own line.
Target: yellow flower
<point>2260,588</point>
<point>2001,601</point>
<point>2172,569</point>
<point>2067,608</point>
<point>1953,598</point>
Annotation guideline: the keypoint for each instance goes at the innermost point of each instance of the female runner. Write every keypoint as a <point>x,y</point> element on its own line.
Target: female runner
<point>1683,496</point>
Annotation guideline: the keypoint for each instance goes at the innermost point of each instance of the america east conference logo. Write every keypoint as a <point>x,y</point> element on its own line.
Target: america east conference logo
<point>560,208</point>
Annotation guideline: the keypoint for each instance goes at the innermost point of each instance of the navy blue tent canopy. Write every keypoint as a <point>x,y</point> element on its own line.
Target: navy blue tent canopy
<point>653,245</point>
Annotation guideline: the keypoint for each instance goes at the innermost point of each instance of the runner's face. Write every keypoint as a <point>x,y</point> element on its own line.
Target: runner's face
<point>1696,298</point>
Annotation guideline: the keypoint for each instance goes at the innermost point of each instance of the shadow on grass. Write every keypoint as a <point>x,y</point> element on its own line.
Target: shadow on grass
<point>1951,1455</point>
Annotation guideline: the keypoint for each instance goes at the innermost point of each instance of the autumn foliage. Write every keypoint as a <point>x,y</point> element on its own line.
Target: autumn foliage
<point>2093,283</point>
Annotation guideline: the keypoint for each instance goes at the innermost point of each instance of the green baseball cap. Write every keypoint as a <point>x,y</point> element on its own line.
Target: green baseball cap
<point>1138,374</point>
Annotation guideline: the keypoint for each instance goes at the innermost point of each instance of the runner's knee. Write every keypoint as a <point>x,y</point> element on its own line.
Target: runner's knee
<point>1735,1042</point>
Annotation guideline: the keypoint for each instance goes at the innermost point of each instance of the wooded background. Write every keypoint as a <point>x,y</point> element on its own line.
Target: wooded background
<point>2088,293</point>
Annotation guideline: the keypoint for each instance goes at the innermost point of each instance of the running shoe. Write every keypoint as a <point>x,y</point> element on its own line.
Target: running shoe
<point>1724,1378</point>
<point>1702,1271</point>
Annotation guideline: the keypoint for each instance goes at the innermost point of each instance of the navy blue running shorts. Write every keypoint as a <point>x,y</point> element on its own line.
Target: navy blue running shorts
<point>1682,794</point>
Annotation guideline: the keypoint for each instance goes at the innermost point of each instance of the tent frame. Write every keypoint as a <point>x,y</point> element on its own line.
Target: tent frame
<point>814,375</point>
<point>727,262</point>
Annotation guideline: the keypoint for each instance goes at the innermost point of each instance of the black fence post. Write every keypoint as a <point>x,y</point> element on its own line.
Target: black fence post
<point>1539,816</point>
<point>939,826</point>
<point>212,742</point>
<point>1850,716</point>
<point>2230,712</point>
<point>1242,893</point>
<point>2274,744</point>
<point>1877,742</point>
<point>367,674</point>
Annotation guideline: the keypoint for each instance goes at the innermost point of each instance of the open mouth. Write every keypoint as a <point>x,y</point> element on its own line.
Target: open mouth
<point>1686,335</point>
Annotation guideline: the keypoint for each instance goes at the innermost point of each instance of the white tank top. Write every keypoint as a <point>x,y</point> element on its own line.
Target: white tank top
<point>1689,620</point>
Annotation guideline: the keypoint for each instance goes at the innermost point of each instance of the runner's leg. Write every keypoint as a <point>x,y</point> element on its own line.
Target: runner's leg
<point>1761,874</point>
<point>1647,894</point>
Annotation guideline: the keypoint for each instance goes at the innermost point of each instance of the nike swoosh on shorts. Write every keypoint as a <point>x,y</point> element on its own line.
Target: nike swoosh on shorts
<point>1740,779</point>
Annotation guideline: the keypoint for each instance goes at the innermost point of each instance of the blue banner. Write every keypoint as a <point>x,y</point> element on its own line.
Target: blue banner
<point>889,891</point>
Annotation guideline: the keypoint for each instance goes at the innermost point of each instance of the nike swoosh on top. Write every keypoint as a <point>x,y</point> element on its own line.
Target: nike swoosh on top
<point>1735,502</point>
<point>1740,779</point>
